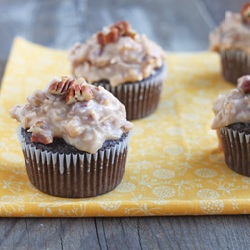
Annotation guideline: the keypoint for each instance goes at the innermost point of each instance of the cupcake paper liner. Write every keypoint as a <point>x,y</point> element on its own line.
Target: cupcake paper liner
<point>236,150</point>
<point>235,63</point>
<point>75,175</point>
<point>140,98</point>
<point>220,144</point>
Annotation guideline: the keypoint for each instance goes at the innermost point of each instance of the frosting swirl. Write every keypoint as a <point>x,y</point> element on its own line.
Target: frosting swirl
<point>82,114</point>
<point>116,54</point>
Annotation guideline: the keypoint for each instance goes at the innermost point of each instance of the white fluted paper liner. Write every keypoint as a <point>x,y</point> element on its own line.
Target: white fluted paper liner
<point>235,63</point>
<point>237,150</point>
<point>140,98</point>
<point>75,175</point>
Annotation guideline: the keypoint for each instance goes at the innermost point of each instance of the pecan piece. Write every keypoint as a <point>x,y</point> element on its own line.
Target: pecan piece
<point>245,13</point>
<point>244,84</point>
<point>131,33</point>
<point>100,38</point>
<point>40,134</point>
<point>40,138</point>
<point>62,86</point>
<point>79,93</point>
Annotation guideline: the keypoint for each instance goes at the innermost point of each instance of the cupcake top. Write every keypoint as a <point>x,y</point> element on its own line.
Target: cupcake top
<point>233,33</point>
<point>117,54</point>
<point>234,106</point>
<point>82,114</point>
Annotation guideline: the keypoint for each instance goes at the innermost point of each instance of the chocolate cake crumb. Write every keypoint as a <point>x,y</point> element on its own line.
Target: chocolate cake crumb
<point>240,127</point>
<point>60,146</point>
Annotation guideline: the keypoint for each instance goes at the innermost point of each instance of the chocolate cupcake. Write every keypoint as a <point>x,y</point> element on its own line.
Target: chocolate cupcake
<point>231,41</point>
<point>74,138</point>
<point>124,62</point>
<point>232,119</point>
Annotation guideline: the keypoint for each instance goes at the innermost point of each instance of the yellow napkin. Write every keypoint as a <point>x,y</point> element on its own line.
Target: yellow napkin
<point>173,167</point>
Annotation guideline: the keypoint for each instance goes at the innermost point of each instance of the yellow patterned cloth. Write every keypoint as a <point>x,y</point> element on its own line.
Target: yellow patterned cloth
<point>173,167</point>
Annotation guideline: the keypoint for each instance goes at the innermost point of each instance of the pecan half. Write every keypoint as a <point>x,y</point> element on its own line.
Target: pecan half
<point>113,35</point>
<point>110,37</point>
<point>124,29</point>
<point>79,93</point>
<point>244,84</point>
<point>121,28</point>
<point>62,86</point>
<point>245,13</point>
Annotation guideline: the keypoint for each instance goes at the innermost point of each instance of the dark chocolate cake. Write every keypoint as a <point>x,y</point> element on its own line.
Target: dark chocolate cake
<point>240,127</point>
<point>60,146</point>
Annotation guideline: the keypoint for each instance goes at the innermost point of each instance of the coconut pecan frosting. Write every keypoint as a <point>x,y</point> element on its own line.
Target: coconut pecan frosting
<point>82,114</point>
<point>117,54</point>
<point>233,33</point>
<point>234,106</point>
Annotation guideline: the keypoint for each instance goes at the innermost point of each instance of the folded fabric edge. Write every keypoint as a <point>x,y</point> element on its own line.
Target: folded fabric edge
<point>122,209</point>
